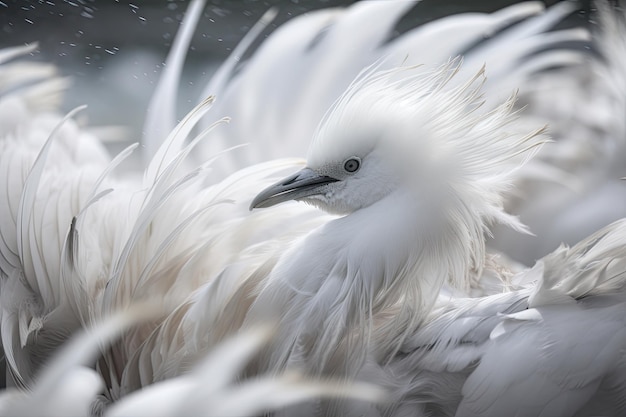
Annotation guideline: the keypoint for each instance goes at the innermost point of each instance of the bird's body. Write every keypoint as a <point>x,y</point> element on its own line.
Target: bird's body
<point>409,167</point>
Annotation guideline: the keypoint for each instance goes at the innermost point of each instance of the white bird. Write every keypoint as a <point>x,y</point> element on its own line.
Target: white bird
<point>419,189</point>
<point>358,296</point>
<point>390,140</point>
<point>412,168</point>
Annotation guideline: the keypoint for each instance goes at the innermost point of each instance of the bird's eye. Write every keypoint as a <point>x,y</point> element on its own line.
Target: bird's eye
<point>352,165</point>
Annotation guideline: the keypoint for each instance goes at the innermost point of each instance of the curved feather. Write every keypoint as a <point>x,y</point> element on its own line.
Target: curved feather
<point>353,298</point>
<point>161,112</point>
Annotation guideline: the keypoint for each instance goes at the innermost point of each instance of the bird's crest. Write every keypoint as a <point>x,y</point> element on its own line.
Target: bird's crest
<point>436,124</point>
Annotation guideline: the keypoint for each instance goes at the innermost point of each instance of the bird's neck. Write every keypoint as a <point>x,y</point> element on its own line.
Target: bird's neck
<point>389,259</point>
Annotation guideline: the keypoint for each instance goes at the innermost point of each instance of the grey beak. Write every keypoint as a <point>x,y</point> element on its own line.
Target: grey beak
<point>303,183</point>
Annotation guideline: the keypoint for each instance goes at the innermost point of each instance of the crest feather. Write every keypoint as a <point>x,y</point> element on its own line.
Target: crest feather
<point>436,123</point>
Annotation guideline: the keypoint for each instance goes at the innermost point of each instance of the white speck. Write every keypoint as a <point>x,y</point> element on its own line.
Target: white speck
<point>29,21</point>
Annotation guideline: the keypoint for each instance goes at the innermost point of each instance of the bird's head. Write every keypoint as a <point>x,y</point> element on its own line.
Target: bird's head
<point>409,126</point>
<point>340,178</point>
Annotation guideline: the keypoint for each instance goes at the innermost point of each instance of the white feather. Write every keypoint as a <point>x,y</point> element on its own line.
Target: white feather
<point>376,294</point>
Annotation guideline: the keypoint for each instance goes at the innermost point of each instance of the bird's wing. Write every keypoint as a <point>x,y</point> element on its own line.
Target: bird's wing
<point>216,282</point>
<point>48,166</point>
<point>552,360</point>
<point>554,348</point>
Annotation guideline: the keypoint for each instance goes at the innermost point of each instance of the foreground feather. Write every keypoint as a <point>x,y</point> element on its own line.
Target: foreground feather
<point>411,165</point>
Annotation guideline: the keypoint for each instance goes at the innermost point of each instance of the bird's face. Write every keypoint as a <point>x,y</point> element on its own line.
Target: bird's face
<point>338,184</point>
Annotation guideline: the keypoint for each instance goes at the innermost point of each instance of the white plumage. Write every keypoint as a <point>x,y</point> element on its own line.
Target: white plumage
<point>412,162</point>
<point>583,104</point>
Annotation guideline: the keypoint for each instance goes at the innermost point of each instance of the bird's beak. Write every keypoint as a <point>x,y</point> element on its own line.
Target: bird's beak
<point>303,183</point>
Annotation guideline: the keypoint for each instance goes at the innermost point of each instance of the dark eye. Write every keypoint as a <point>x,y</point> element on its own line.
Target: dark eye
<point>352,165</point>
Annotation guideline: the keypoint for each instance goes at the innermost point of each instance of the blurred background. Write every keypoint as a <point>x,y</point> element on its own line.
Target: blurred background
<point>114,50</point>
